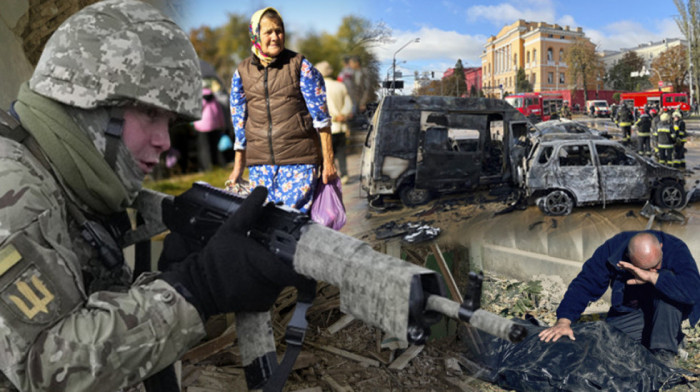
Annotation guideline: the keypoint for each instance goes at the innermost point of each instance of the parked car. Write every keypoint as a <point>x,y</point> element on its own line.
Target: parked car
<point>566,126</point>
<point>418,147</point>
<point>597,108</point>
<point>567,170</point>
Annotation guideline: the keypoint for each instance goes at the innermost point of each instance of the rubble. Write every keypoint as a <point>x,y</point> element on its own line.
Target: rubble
<point>342,354</point>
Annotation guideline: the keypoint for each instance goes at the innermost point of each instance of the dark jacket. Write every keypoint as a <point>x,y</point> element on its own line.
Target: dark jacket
<point>279,129</point>
<point>678,277</point>
<point>643,125</point>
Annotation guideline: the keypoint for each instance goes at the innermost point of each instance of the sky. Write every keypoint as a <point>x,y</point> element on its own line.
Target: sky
<point>451,29</point>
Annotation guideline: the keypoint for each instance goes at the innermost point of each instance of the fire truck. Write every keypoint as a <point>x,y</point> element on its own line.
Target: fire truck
<point>536,106</point>
<point>657,99</point>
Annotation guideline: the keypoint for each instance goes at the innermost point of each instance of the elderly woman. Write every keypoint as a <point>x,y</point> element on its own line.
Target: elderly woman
<point>280,118</point>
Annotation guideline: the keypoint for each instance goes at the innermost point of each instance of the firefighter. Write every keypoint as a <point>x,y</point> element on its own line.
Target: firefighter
<point>665,138</point>
<point>643,127</point>
<point>654,114</point>
<point>565,111</point>
<point>613,113</point>
<point>679,145</point>
<point>624,121</point>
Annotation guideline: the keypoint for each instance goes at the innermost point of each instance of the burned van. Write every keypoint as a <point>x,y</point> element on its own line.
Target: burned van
<point>419,147</point>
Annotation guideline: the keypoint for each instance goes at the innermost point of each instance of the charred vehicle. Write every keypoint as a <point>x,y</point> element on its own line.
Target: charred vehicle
<point>566,126</point>
<point>567,170</point>
<point>419,147</point>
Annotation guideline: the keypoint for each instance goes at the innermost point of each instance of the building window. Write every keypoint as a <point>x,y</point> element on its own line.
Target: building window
<point>528,57</point>
<point>515,60</point>
<point>561,54</point>
<point>534,55</point>
<point>550,54</point>
<point>550,77</point>
<point>562,79</point>
<point>533,79</point>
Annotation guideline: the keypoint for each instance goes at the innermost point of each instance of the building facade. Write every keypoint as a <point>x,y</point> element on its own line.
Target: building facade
<point>472,78</point>
<point>537,47</point>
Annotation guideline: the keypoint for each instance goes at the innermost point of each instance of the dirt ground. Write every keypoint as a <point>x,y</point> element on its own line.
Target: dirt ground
<point>340,354</point>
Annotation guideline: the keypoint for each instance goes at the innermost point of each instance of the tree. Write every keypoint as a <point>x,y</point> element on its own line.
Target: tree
<point>522,84</point>
<point>460,81</point>
<point>584,65</point>
<point>689,16</point>
<point>619,76</point>
<point>473,91</point>
<point>223,47</point>
<point>672,66</point>
<point>434,88</point>
<point>355,37</point>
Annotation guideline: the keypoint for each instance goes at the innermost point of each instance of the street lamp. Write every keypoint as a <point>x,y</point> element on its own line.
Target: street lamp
<point>393,81</point>
<point>645,72</point>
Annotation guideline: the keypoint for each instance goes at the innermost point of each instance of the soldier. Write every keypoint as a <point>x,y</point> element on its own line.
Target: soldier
<point>643,127</point>
<point>679,145</point>
<point>624,121</point>
<point>665,139</point>
<point>84,131</point>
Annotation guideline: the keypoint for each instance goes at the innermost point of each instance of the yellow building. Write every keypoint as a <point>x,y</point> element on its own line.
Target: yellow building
<point>537,47</point>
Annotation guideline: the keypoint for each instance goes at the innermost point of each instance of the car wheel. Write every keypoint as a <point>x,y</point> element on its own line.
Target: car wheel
<point>670,194</point>
<point>556,202</point>
<point>411,196</point>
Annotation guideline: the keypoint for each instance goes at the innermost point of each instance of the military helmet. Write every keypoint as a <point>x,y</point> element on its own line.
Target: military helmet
<point>120,52</point>
<point>677,114</point>
<point>665,116</point>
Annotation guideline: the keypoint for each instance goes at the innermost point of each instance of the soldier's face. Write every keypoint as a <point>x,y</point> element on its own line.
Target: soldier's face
<point>146,135</point>
<point>271,37</point>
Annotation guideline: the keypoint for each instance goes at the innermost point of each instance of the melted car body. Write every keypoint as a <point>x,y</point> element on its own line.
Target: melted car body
<point>567,170</point>
<point>417,147</point>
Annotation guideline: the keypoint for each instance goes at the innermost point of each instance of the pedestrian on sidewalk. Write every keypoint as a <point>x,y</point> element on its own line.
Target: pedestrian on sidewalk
<point>340,109</point>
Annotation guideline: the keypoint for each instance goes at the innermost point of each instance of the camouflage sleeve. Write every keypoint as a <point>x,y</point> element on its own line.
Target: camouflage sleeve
<point>53,336</point>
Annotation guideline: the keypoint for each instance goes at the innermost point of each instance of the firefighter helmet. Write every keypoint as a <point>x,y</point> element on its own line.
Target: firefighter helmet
<point>120,52</point>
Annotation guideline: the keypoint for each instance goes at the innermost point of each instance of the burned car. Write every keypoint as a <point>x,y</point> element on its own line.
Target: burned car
<point>566,126</point>
<point>421,146</point>
<point>567,170</point>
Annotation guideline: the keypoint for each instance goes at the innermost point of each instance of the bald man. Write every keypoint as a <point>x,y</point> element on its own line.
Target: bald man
<point>655,285</point>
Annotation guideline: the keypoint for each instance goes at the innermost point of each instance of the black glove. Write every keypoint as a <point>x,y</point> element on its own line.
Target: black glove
<point>234,273</point>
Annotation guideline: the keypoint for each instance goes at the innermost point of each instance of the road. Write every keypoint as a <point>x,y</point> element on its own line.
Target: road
<point>521,244</point>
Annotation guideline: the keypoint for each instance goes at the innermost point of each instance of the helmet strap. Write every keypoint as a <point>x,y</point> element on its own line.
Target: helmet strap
<point>114,131</point>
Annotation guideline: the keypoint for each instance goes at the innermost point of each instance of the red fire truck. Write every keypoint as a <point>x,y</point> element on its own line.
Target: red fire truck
<point>657,99</point>
<point>536,106</point>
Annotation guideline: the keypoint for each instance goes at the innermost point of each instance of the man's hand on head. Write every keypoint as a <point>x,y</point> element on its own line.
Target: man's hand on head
<point>641,276</point>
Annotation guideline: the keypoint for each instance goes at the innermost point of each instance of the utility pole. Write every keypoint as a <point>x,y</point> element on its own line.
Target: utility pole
<point>690,60</point>
<point>393,79</point>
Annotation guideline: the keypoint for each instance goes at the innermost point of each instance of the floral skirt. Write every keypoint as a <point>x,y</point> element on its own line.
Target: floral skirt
<point>293,185</point>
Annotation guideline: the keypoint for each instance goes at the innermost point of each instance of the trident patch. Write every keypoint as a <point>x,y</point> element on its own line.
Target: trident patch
<point>31,296</point>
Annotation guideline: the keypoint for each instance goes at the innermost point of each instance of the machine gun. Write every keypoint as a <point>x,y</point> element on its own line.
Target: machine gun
<point>401,298</point>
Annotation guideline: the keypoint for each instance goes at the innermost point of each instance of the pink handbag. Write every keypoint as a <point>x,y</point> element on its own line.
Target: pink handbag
<point>327,208</point>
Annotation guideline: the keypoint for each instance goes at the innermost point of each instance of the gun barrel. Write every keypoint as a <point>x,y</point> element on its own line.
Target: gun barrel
<point>481,319</point>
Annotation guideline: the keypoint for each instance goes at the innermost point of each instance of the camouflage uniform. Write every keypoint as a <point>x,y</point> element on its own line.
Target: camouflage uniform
<point>68,323</point>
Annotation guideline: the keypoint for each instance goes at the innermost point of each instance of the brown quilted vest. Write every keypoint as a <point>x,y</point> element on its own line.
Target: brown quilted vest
<point>279,129</point>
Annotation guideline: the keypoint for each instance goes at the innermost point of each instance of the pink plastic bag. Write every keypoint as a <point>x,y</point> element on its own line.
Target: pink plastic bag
<point>327,208</point>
